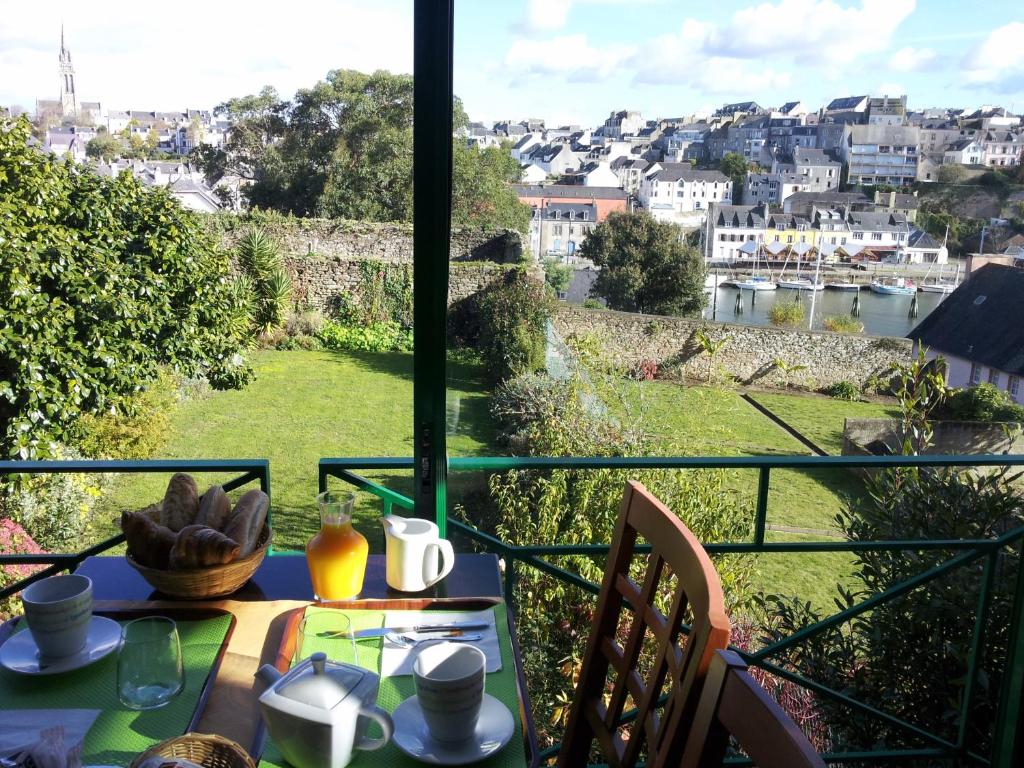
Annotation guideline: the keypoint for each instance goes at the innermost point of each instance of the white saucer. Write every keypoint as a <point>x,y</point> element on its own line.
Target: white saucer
<point>493,731</point>
<point>21,654</point>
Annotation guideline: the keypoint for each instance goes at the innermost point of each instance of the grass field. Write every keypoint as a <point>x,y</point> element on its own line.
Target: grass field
<point>304,406</point>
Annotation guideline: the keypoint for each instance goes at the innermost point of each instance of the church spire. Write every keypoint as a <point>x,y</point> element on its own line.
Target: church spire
<point>69,106</point>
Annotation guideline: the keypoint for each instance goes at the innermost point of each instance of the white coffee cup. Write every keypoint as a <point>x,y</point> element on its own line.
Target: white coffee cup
<point>58,610</point>
<point>417,557</point>
<point>449,680</point>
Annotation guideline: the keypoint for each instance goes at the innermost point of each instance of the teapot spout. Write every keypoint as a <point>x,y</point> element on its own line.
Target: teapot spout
<point>268,674</point>
<point>393,523</point>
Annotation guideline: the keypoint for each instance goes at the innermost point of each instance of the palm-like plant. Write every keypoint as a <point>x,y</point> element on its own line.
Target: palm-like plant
<point>258,255</point>
<point>275,294</point>
<point>268,282</point>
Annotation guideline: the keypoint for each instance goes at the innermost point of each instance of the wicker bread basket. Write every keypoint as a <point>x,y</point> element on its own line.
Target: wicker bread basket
<point>202,583</point>
<point>203,749</point>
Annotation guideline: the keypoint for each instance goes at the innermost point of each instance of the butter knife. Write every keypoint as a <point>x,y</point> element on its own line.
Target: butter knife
<point>363,634</point>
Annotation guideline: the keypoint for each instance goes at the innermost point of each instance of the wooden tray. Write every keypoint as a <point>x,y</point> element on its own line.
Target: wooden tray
<point>287,649</point>
<point>185,613</point>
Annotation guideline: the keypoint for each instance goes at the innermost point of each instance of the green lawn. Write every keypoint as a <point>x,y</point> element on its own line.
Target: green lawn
<point>820,418</point>
<point>304,406</point>
<point>707,421</point>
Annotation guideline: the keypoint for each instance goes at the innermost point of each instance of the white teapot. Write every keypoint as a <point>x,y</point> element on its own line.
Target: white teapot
<point>318,712</point>
<point>417,557</point>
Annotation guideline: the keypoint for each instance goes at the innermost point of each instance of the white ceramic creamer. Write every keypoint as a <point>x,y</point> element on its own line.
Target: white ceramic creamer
<point>417,557</point>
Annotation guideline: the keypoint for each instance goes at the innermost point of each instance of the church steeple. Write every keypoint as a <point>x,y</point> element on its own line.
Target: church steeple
<point>69,106</point>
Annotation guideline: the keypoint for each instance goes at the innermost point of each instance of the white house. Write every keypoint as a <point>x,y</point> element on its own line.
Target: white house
<point>533,174</point>
<point>734,232</point>
<point>1002,148</point>
<point>922,248</point>
<point>675,192</point>
<point>771,188</point>
<point>880,154</point>
<point>977,330</point>
<point>963,152</point>
<point>885,234</point>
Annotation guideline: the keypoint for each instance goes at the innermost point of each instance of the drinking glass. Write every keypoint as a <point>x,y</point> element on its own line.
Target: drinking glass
<point>149,668</point>
<point>328,631</point>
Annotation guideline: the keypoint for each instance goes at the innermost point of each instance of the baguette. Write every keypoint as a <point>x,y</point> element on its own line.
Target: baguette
<point>214,508</point>
<point>247,519</point>
<point>199,547</point>
<point>181,502</point>
<point>149,542</point>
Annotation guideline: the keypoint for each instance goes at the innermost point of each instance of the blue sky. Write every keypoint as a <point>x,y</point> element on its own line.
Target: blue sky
<point>563,60</point>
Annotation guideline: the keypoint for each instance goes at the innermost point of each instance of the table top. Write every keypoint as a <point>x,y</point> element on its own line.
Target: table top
<point>285,576</point>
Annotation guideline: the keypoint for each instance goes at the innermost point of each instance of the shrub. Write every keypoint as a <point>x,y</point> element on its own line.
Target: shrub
<point>787,314</point>
<point>592,304</point>
<point>984,402</point>
<point>104,281</point>
<point>378,337</point>
<point>646,370</point>
<point>513,325</point>
<point>519,402</point>
<point>843,324</point>
<point>137,429</point>
<point>557,275</point>
<point>14,540</point>
<point>232,373</point>
<point>842,390</point>
<point>305,323</point>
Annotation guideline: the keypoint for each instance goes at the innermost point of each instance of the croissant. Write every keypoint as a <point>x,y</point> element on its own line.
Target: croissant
<point>149,542</point>
<point>214,508</point>
<point>181,502</point>
<point>247,518</point>
<point>198,547</point>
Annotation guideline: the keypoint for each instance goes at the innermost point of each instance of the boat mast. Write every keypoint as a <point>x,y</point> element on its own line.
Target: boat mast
<point>814,290</point>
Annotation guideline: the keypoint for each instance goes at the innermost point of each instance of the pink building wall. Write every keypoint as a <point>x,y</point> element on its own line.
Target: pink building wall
<point>959,374</point>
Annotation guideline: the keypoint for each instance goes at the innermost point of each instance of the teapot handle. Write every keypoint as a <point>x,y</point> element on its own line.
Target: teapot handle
<point>383,719</point>
<point>447,555</point>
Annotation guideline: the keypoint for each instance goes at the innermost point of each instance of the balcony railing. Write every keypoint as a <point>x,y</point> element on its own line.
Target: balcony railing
<point>1008,732</point>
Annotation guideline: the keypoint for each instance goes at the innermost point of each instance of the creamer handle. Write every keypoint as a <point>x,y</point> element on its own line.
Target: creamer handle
<point>383,719</point>
<point>447,554</point>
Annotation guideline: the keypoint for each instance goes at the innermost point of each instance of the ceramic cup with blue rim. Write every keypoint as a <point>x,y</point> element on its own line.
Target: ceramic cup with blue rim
<point>58,610</point>
<point>449,680</point>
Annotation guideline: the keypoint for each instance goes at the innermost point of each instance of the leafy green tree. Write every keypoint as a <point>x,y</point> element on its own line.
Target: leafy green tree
<point>103,282</point>
<point>482,195</point>
<point>644,267</point>
<point>104,147</point>
<point>735,167</point>
<point>952,174</point>
<point>557,275</point>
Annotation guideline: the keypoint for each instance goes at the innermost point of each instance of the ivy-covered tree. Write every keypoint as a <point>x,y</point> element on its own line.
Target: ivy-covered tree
<point>644,266</point>
<point>101,282</point>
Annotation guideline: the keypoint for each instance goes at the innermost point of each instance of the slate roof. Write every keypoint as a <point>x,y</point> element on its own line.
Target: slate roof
<point>788,107</point>
<point>877,222</point>
<point>884,134</point>
<point>570,210</point>
<point>570,191</point>
<point>959,145</point>
<point>847,102</point>
<point>828,198</point>
<point>921,239</point>
<point>980,320</point>
<point>808,156</point>
<point>739,216</point>
<point>686,172</point>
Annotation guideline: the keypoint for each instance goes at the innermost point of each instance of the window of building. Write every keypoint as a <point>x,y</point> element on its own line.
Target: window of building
<point>876,235</point>
<point>993,376</point>
<point>776,238</point>
<point>1013,386</point>
<point>975,373</point>
<point>557,229</point>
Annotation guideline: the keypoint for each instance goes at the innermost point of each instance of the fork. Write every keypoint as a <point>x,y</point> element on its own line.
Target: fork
<point>408,641</point>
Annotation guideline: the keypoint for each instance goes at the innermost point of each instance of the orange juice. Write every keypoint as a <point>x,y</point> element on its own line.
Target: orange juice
<point>337,554</point>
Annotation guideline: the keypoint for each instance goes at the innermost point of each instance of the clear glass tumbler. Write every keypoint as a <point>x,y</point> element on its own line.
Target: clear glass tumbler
<point>327,631</point>
<point>149,667</point>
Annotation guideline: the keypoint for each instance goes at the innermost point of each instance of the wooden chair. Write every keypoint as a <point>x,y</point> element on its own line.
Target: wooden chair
<point>733,704</point>
<point>680,661</point>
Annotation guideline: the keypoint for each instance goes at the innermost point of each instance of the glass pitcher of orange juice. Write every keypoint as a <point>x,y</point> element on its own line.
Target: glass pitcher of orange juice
<point>337,554</point>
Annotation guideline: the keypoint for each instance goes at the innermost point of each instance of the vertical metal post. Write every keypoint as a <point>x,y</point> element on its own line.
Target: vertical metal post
<point>761,513</point>
<point>432,168</point>
<point>1008,750</point>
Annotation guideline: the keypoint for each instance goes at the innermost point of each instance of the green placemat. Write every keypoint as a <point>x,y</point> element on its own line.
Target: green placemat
<point>395,690</point>
<point>119,734</point>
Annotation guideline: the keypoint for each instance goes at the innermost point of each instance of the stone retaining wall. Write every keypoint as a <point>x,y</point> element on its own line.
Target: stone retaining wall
<point>748,356</point>
<point>880,436</point>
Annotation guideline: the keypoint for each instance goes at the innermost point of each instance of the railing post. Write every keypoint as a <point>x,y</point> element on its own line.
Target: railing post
<point>510,580</point>
<point>1008,747</point>
<point>761,514</point>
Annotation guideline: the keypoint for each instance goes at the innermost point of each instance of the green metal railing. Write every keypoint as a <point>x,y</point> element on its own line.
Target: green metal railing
<point>252,470</point>
<point>1008,737</point>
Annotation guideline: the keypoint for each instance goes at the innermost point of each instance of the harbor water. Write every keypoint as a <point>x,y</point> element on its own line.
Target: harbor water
<point>882,315</point>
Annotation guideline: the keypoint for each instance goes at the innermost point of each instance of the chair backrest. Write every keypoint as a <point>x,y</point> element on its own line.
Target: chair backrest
<point>680,660</point>
<point>734,704</point>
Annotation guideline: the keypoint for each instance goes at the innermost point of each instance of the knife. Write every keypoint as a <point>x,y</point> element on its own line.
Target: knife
<point>363,634</point>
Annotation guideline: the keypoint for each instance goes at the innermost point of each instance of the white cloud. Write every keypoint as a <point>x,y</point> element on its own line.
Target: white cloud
<point>998,60</point>
<point>912,59</point>
<point>569,56</point>
<point>546,15</point>
<point>202,54</point>
<point>890,89</point>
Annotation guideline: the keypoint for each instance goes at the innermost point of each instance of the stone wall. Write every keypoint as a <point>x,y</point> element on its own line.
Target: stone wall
<point>748,356</point>
<point>330,239</point>
<point>880,436</point>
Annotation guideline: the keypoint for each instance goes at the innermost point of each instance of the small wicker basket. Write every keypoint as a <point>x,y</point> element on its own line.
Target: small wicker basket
<point>203,583</point>
<point>207,750</point>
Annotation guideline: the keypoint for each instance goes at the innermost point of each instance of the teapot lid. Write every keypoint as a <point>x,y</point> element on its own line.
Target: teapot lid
<point>321,684</point>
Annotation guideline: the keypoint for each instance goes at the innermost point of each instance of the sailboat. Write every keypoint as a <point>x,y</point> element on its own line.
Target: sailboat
<point>797,283</point>
<point>756,282</point>
<point>940,285</point>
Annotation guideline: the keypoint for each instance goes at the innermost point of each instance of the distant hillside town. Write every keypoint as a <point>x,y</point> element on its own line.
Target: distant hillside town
<point>747,179</point>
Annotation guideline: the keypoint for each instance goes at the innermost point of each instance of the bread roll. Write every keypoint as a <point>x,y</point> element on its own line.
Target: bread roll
<point>149,543</point>
<point>181,502</point>
<point>199,547</point>
<point>214,508</point>
<point>247,519</point>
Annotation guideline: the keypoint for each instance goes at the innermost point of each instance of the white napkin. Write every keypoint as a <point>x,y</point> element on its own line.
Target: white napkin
<point>19,728</point>
<point>396,661</point>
